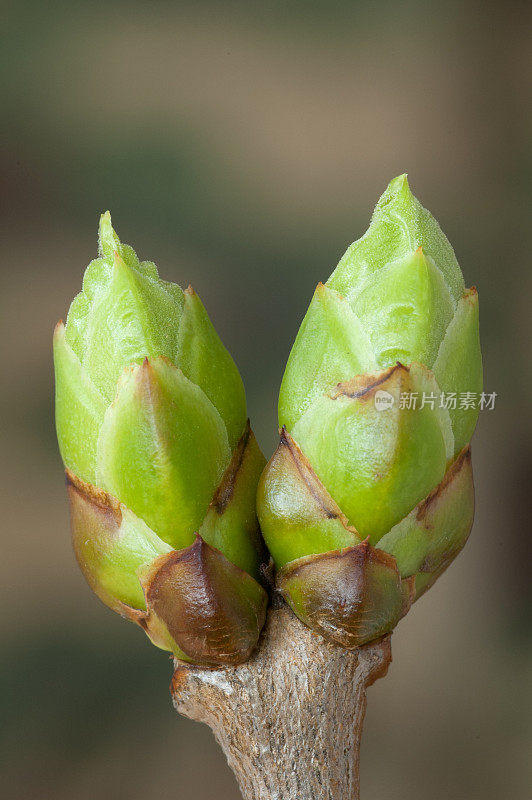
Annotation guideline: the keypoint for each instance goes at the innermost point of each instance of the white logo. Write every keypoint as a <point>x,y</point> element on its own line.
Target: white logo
<point>383,400</point>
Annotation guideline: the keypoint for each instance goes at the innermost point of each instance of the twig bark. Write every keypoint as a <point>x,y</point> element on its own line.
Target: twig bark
<point>290,719</point>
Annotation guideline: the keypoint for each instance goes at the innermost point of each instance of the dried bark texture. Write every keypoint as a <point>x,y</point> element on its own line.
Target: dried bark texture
<point>290,719</point>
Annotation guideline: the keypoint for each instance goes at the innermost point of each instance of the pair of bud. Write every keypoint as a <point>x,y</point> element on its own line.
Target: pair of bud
<point>361,507</point>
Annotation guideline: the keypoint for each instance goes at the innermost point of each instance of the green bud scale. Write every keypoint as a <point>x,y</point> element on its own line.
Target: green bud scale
<point>369,496</point>
<point>162,466</point>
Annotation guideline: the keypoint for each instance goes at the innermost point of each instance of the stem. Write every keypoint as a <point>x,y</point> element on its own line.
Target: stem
<point>290,719</point>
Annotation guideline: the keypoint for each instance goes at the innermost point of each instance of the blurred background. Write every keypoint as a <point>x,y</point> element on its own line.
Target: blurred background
<point>242,146</point>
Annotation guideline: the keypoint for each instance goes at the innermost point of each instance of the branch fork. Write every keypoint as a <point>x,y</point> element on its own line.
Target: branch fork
<point>290,719</point>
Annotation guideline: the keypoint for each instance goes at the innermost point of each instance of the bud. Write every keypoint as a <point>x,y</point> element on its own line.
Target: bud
<point>369,495</point>
<point>162,466</point>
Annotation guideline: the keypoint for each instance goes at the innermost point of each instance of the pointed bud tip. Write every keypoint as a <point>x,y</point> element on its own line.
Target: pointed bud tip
<point>397,191</point>
<point>59,329</point>
<point>397,188</point>
<point>471,295</point>
<point>108,241</point>
<point>150,372</point>
<point>105,226</point>
<point>320,292</point>
<point>144,371</point>
<point>399,183</point>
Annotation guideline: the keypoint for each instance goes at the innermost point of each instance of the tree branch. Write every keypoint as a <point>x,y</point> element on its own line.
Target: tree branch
<point>290,719</point>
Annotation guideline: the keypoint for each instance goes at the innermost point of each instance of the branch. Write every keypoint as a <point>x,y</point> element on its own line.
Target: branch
<point>290,719</point>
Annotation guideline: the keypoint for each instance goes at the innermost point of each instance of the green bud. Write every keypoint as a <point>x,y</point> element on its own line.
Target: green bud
<point>372,477</point>
<point>151,424</point>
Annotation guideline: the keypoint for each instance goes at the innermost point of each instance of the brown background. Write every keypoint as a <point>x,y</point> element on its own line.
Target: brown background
<point>242,146</point>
